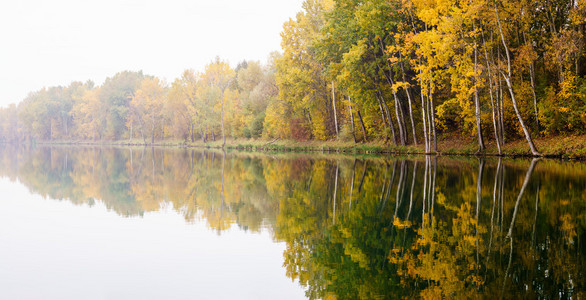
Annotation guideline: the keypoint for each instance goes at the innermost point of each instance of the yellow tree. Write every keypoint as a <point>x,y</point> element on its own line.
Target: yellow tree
<point>300,75</point>
<point>178,114</point>
<point>185,89</point>
<point>89,115</point>
<point>218,76</point>
<point>147,104</point>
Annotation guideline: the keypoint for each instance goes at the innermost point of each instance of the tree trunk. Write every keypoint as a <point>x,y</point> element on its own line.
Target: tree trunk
<point>423,115</point>
<point>351,119</point>
<point>411,116</point>
<point>335,112</point>
<point>408,99</point>
<point>532,77</point>
<point>477,100</point>
<point>490,89</point>
<point>191,132</point>
<point>153,129</point>
<point>500,111</point>
<point>362,125</point>
<point>525,131</point>
<point>399,115</point>
<point>388,115</point>
<point>387,125</point>
<point>398,110</point>
<point>310,124</point>
<point>507,78</point>
<point>222,115</point>
<point>432,120</point>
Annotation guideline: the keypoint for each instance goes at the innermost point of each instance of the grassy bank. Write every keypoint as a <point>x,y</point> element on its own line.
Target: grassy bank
<point>571,147</point>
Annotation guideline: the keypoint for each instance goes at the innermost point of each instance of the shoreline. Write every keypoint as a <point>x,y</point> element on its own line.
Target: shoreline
<point>570,147</point>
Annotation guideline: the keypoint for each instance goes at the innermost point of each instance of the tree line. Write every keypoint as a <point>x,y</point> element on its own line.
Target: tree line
<point>402,71</point>
<point>131,106</point>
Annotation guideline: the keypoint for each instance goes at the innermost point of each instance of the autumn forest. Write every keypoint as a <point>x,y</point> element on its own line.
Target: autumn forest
<point>407,72</point>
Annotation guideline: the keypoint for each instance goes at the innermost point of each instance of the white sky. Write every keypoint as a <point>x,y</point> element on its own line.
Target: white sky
<point>49,43</point>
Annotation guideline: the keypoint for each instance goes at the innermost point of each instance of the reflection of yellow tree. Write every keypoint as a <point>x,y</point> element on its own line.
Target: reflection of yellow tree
<point>444,257</point>
<point>362,235</point>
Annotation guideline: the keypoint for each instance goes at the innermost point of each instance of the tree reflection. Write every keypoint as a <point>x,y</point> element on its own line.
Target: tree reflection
<point>354,227</point>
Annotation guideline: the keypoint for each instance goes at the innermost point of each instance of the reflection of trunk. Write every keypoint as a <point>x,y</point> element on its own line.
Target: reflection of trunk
<point>335,190</point>
<point>309,181</point>
<point>527,177</point>
<point>478,204</point>
<point>502,198</point>
<point>223,169</point>
<point>131,163</point>
<point>399,196</point>
<point>429,189</point>
<point>432,188</point>
<point>424,191</point>
<point>508,269</point>
<point>382,192</point>
<point>153,162</point>
<point>362,177</point>
<point>223,197</point>
<point>479,190</point>
<point>495,201</point>
<point>387,194</point>
<point>400,188</point>
<point>412,189</point>
<point>536,212</point>
<point>352,184</point>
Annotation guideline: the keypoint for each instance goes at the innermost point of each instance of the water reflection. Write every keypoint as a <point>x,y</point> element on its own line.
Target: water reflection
<point>354,227</point>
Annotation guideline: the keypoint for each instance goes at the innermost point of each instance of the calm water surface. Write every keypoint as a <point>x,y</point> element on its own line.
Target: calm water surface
<point>144,223</point>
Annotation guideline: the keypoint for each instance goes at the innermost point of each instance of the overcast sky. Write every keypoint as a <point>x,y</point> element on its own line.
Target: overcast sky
<point>49,43</point>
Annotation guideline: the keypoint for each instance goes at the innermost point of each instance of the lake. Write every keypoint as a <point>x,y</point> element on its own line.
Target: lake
<point>170,223</point>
